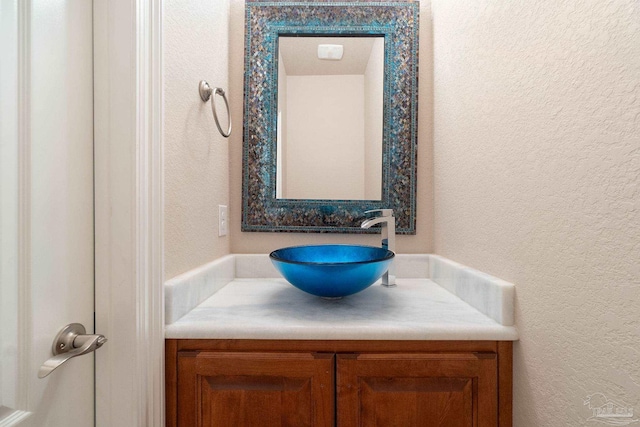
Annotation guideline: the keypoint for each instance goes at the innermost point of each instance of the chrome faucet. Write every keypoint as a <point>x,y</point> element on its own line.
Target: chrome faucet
<point>388,225</point>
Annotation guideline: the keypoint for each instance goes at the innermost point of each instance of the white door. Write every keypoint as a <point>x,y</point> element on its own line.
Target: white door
<point>46,208</point>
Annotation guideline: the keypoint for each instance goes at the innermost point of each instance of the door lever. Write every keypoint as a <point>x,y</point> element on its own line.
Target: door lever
<point>70,342</point>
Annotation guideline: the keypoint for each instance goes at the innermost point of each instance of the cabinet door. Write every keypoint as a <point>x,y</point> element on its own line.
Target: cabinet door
<point>255,389</point>
<point>388,390</point>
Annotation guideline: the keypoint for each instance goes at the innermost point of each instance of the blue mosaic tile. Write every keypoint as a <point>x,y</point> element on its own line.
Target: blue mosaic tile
<point>264,22</point>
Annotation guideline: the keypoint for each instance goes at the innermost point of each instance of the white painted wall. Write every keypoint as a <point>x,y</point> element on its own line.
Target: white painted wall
<point>537,181</point>
<point>325,137</point>
<point>373,127</point>
<point>196,47</point>
<point>281,152</point>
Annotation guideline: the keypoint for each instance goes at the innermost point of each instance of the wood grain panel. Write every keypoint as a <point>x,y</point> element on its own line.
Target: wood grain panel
<point>505,384</point>
<point>416,401</point>
<point>171,381</point>
<point>336,346</point>
<point>394,383</point>
<point>274,401</point>
<point>408,390</point>
<point>255,389</point>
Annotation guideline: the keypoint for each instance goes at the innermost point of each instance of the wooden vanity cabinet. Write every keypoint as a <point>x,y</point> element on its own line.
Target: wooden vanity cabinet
<point>249,389</point>
<point>445,389</point>
<point>257,383</point>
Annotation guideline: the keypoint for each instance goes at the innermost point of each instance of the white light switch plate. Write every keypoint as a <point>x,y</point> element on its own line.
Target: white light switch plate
<point>222,220</point>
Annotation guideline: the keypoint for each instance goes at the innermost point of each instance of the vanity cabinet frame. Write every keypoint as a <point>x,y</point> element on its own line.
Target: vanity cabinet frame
<point>488,363</point>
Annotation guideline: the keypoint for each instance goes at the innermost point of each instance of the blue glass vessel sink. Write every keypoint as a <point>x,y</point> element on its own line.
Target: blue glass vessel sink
<point>332,271</point>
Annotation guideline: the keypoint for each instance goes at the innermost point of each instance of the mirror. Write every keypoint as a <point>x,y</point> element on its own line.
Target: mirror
<point>321,144</point>
<point>329,131</point>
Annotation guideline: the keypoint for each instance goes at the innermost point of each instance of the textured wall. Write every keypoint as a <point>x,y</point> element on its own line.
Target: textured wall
<point>244,242</point>
<point>325,137</point>
<point>196,37</point>
<point>537,165</point>
<point>373,118</point>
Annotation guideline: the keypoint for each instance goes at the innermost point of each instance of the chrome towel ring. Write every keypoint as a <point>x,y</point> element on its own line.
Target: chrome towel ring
<point>206,93</point>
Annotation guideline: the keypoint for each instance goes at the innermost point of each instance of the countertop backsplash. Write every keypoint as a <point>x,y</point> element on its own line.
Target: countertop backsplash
<point>489,295</point>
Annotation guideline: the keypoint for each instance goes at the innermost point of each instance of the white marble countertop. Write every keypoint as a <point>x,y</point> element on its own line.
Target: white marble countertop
<point>270,308</point>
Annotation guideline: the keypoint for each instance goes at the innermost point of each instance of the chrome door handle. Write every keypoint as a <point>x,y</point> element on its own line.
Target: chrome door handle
<point>70,342</point>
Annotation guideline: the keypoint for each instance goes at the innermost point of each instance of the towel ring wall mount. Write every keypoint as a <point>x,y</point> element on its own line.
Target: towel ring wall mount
<point>206,93</point>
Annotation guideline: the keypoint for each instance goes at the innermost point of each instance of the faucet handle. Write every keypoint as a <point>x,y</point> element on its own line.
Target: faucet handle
<point>383,212</point>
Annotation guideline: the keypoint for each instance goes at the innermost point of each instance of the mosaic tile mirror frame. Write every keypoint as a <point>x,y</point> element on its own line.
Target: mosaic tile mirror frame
<point>265,22</point>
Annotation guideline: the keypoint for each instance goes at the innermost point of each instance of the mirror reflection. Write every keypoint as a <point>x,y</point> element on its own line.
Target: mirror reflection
<point>330,117</point>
